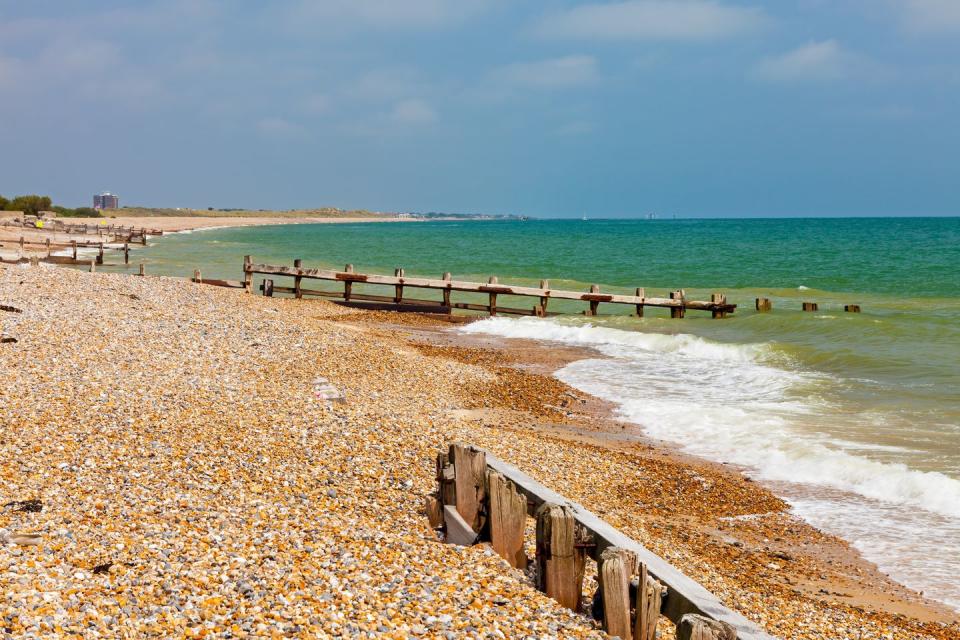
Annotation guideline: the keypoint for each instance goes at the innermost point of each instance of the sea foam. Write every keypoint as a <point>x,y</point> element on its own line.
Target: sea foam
<point>729,402</point>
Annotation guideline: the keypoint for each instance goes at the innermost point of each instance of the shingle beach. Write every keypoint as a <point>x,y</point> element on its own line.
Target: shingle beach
<point>178,460</point>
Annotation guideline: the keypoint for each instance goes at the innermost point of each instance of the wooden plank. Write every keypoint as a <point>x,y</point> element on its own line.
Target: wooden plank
<point>559,565</point>
<point>230,284</point>
<point>458,531</point>
<point>684,595</point>
<point>434,510</point>
<point>613,573</point>
<point>810,306</point>
<point>390,306</point>
<point>470,469</point>
<point>851,308</point>
<point>764,305</point>
<point>695,627</point>
<point>508,519</point>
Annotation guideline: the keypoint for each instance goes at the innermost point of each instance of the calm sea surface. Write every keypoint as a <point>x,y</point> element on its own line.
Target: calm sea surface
<point>854,418</point>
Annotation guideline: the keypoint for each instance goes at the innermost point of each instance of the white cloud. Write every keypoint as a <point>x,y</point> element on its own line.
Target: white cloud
<point>413,112</point>
<point>931,16</point>
<point>387,14</point>
<point>653,20</point>
<point>553,73</point>
<point>813,62</point>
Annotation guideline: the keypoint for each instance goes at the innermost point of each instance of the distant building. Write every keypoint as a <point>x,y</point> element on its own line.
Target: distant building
<point>106,200</point>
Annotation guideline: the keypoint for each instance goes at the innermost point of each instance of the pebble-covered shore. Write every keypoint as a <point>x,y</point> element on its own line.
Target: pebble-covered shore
<point>178,460</point>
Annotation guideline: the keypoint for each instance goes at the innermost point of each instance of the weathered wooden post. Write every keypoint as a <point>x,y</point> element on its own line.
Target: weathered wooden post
<point>347,284</point>
<point>268,288</point>
<point>196,276</point>
<point>21,245</point>
<point>143,237</point>
<point>73,245</point>
<point>649,599</point>
<point>851,308</point>
<point>100,254</point>
<point>398,288</point>
<point>810,306</point>
<point>446,479</point>
<point>247,274</point>
<point>679,311</point>
<point>48,247</point>
<point>493,296</point>
<point>640,293</point>
<point>697,627</point>
<point>542,309</point>
<point>559,563</point>
<point>93,265</point>
<point>143,269</point>
<point>508,519</point>
<point>613,573</point>
<point>447,277</point>
<point>764,305</point>
<point>720,300</point>
<point>594,304</point>
<point>126,253</point>
<point>296,279</point>
<point>470,467</point>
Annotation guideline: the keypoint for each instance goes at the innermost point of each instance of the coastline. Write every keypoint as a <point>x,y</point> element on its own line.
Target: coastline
<point>217,351</point>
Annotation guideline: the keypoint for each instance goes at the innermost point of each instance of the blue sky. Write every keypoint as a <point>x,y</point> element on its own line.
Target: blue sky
<point>686,107</point>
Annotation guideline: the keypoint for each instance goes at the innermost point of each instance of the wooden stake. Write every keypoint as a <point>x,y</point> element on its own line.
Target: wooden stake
<point>143,269</point>
<point>508,519</point>
<point>640,293</point>
<point>446,480</point>
<point>851,308</point>
<point>347,285</point>
<point>594,305</point>
<point>73,244</point>
<point>196,276</point>
<point>649,599</point>
<point>697,627</point>
<point>247,276</point>
<point>764,305</point>
<point>48,247</point>
<point>447,277</point>
<point>470,469</point>
<point>493,296</point>
<point>126,253</point>
<point>810,306</point>
<point>398,289</point>
<point>677,312</point>
<point>613,573</point>
<point>268,288</point>
<point>559,564</point>
<point>93,265</point>
<point>297,293</point>
<point>719,299</point>
<point>542,311</point>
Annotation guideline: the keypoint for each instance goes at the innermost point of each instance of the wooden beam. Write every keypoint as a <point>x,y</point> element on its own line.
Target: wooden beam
<point>810,306</point>
<point>296,279</point>
<point>764,305</point>
<point>851,308</point>
<point>594,303</point>
<point>640,293</point>
<point>493,294</point>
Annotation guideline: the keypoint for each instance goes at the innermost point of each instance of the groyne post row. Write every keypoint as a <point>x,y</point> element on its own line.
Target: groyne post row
<point>678,303</point>
<point>481,498</point>
<point>73,245</point>
<point>114,232</point>
<point>765,305</point>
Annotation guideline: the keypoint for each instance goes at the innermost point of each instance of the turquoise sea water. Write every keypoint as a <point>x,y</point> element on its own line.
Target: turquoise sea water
<point>854,418</point>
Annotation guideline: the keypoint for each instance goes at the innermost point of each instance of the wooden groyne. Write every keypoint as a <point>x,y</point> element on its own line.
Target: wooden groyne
<point>49,247</point>
<point>481,498</point>
<point>678,303</point>
<point>112,232</point>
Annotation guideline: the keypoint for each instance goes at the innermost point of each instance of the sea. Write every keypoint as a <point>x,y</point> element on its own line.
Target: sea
<point>853,418</point>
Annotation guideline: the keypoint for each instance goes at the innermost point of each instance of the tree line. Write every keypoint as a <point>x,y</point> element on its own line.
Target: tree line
<point>32,205</point>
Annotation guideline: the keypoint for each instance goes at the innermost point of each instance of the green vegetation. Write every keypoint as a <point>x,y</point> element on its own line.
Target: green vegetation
<point>32,205</point>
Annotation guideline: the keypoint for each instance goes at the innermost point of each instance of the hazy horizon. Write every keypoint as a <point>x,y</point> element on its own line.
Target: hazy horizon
<point>699,108</point>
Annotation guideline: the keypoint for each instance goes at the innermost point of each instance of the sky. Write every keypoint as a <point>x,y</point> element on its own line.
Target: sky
<point>544,108</point>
